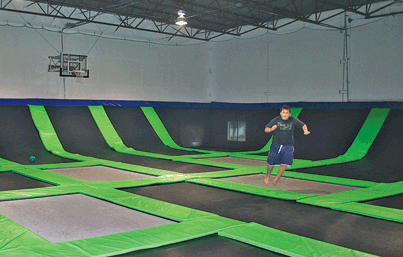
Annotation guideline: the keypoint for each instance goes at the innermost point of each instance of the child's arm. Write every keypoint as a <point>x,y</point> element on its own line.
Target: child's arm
<point>268,130</point>
<point>305,129</point>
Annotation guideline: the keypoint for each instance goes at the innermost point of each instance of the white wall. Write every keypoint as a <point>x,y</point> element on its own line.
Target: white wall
<point>305,65</point>
<point>300,65</point>
<point>23,64</point>
<point>377,60</point>
<point>119,69</point>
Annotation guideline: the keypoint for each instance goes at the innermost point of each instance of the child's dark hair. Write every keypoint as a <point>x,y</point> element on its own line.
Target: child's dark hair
<point>285,107</point>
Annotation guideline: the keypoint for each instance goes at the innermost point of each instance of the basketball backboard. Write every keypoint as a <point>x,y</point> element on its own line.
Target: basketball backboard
<point>68,65</point>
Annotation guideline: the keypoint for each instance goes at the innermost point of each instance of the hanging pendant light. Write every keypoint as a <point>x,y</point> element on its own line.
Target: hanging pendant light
<point>181,21</point>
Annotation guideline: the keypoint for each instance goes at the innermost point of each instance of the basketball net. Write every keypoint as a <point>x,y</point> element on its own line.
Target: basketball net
<point>79,74</point>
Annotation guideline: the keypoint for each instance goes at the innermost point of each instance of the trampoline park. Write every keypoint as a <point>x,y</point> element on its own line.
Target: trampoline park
<point>104,184</point>
<point>141,128</point>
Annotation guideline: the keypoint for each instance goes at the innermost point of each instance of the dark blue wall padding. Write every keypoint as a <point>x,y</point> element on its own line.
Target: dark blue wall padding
<point>307,105</point>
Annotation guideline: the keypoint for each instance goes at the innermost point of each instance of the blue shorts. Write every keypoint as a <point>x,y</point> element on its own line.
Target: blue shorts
<point>280,155</point>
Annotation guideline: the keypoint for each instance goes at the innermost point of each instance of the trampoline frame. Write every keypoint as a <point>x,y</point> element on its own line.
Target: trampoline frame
<point>15,239</point>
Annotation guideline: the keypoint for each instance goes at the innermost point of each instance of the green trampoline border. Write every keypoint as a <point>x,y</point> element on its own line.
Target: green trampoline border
<point>371,126</point>
<point>285,243</point>
<point>115,142</point>
<point>18,241</point>
<point>356,151</point>
<point>52,144</point>
<point>374,121</point>
<point>344,201</point>
<point>100,190</point>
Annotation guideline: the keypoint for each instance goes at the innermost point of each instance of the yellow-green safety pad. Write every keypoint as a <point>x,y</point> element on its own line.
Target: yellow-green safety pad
<point>358,195</point>
<point>286,243</point>
<point>18,241</point>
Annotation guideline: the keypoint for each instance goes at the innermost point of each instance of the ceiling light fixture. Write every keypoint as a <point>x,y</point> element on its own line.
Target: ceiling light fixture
<point>181,21</point>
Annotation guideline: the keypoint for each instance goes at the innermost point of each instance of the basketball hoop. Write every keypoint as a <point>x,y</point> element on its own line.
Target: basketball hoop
<point>79,74</point>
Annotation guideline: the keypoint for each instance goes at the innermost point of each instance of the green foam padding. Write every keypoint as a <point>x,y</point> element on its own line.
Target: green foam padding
<point>130,241</point>
<point>11,167</point>
<point>106,128</point>
<point>13,235</point>
<point>358,149</point>
<point>142,182</point>
<point>111,136</point>
<point>68,165</point>
<point>372,211</point>
<point>376,117</point>
<point>227,173</point>
<point>209,163</point>
<point>145,204</point>
<point>245,188</point>
<point>328,179</point>
<point>45,128</point>
<point>4,163</point>
<point>137,168</point>
<point>194,224</point>
<point>115,142</point>
<point>358,195</point>
<point>18,241</point>
<point>361,144</point>
<point>47,176</point>
<point>285,243</point>
<point>51,142</point>
<point>39,192</point>
<point>48,135</point>
<point>256,170</point>
<point>137,202</point>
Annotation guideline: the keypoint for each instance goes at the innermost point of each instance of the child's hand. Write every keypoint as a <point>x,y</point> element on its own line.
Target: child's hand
<point>307,132</point>
<point>268,130</point>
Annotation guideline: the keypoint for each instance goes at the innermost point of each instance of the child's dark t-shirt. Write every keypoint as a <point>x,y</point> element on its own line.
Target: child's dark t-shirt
<point>284,133</point>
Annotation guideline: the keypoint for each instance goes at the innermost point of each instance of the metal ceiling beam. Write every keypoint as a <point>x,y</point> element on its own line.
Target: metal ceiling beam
<point>349,8</point>
<point>54,12</point>
<point>150,11</point>
<point>277,11</point>
<point>207,19</point>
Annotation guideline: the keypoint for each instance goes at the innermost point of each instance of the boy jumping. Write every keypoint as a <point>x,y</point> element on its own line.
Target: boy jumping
<point>282,147</point>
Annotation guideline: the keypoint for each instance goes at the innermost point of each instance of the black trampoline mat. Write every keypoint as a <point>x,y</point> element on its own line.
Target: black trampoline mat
<point>375,236</point>
<point>209,246</point>
<point>14,181</point>
<point>383,162</point>
<point>332,132</point>
<point>19,138</point>
<point>79,134</point>
<point>135,131</point>
<point>395,202</point>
